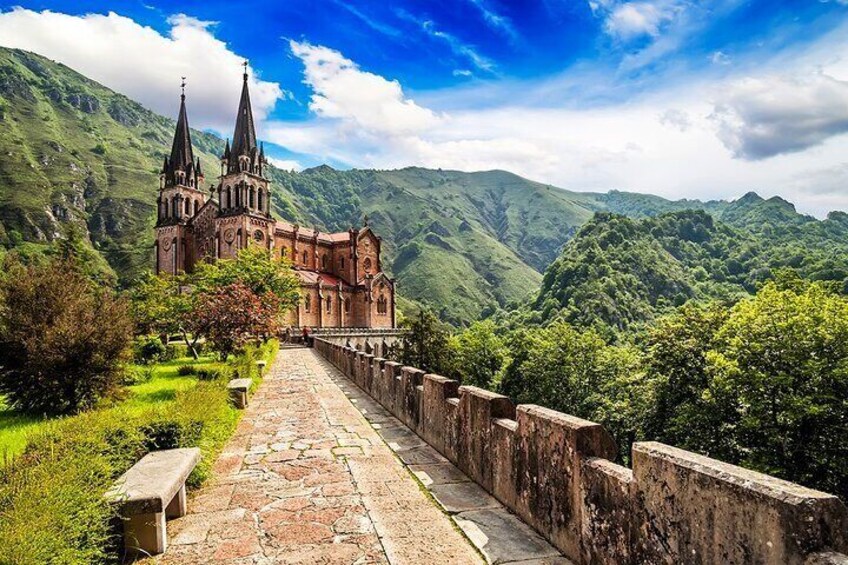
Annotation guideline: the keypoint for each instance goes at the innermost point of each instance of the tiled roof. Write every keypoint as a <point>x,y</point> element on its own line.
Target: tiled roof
<point>311,277</point>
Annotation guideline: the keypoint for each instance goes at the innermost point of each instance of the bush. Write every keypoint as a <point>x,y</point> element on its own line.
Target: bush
<point>214,374</point>
<point>148,350</point>
<point>175,351</point>
<point>63,339</point>
<point>138,375</point>
<point>186,370</point>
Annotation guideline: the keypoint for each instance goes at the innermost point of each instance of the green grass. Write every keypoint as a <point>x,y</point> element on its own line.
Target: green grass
<point>162,387</point>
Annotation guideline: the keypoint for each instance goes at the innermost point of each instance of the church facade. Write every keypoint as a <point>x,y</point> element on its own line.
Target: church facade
<point>342,281</point>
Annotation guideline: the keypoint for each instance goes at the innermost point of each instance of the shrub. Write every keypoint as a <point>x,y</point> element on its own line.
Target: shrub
<point>186,370</point>
<point>138,375</point>
<point>148,350</point>
<point>175,351</point>
<point>63,339</point>
<point>214,374</point>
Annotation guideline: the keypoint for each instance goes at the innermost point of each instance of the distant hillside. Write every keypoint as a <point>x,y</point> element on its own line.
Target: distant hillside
<point>618,271</point>
<point>71,150</point>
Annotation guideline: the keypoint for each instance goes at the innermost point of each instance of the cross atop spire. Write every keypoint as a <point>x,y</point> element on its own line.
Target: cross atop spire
<point>245,69</point>
<point>182,86</point>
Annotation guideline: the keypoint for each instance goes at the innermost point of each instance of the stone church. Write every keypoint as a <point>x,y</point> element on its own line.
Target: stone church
<point>341,277</point>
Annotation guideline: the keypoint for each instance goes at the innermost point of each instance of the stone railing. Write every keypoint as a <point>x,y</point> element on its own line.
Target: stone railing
<point>555,472</point>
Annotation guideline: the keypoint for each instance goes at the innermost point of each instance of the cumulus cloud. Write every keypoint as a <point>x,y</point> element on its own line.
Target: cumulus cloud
<point>762,117</point>
<point>341,90</point>
<point>286,164</point>
<point>143,64</point>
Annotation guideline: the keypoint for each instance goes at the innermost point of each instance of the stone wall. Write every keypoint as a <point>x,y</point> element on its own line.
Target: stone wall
<point>554,471</point>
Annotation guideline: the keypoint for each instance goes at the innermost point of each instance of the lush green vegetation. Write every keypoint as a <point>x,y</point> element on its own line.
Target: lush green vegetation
<point>53,510</point>
<point>619,271</point>
<point>761,382</point>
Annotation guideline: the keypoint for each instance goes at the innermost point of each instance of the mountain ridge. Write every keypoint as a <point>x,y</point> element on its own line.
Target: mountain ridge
<point>462,243</point>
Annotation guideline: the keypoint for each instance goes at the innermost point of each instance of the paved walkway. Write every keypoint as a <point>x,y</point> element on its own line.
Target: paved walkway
<point>306,479</point>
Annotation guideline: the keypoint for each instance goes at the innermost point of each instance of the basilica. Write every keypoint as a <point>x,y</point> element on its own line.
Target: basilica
<point>342,281</point>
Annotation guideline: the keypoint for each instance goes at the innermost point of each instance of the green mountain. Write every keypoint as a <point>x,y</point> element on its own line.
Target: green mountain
<point>73,151</point>
<point>619,271</point>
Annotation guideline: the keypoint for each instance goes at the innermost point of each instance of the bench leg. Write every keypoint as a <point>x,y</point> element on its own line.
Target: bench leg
<point>177,507</point>
<point>145,534</point>
<point>239,399</point>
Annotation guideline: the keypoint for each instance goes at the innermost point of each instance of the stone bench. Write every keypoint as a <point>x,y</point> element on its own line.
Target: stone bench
<point>238,391</point>
<point>149,492</point>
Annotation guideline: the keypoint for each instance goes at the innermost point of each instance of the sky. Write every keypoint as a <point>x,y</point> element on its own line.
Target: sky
<point>679,98</point>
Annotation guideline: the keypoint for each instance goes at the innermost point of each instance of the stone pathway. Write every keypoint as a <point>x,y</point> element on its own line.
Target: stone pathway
<point>306,479</point>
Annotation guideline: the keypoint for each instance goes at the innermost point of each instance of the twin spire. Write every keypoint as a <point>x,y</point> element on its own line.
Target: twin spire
<point>181,161</point>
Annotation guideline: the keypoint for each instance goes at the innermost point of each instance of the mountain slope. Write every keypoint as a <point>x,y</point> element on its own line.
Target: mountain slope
<point>618,271</point>
<point>72,150</point>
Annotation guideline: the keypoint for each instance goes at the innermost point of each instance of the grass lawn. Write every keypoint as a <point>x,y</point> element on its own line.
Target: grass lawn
<point>163,386</point>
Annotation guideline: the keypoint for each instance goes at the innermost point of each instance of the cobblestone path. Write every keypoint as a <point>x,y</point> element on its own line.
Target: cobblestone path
<point>306,479</point>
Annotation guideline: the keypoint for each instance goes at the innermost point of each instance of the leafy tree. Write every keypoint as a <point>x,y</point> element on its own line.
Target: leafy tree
<point>688,410</point>
<point>784,356</point>
<point>63,338</point>
<point>163,305</point>
<point>426,345</point>
<point>256,268</point>
<point>233,316</point>
<point>479,355</point>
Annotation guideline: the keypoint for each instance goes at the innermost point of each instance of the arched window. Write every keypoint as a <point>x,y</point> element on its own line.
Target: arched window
<point>187,207</point>
<point>342,261</point>
<point>304,257</point>
<point>175,207</point>
<point>252,197</point>
<point>307,303</point>
<point>324,262</point>
<point>367,265</point>
<point>382,306</point>
<point>229,198</point>
<point>260,201</point>
<point>196,206</point>
<point>284,252</point>
<point>329,303</point>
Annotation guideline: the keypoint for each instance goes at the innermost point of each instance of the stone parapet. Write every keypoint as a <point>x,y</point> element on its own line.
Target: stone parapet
<point>555,472</point>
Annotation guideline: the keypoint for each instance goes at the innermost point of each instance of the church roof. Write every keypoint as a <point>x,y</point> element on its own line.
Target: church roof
<point>311,277</point>
<point>244,137</point>
<point>182,157</point>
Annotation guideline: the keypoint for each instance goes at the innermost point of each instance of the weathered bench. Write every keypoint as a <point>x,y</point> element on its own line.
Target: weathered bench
<point>149,492</point>
<point>238,391</point>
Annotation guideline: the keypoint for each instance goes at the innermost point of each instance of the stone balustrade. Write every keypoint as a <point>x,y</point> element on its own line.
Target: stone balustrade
<point>555,472</point>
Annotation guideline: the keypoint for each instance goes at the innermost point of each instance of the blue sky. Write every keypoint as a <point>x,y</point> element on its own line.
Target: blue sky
<point>675,97</point>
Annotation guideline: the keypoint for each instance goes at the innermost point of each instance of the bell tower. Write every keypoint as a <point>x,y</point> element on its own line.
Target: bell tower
<point>243,191</point>
<point>180,197</point>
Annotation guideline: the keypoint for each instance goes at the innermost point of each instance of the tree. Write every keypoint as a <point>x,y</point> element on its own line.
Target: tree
<point>163,305</point>
<point>63,338</point>
<point>783,354</point>
<point>233,315</point>
<point>256,268</point>
<point>479,355</point>
<point>425,345</point>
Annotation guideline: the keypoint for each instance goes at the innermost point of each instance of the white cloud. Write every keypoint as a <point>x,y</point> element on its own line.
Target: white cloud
<point>495,20</point>
<point>143,64</point>
<point>358,98</point>
<point>766,116</point>
<point>668,143</point>
<point>286,164</point>
<point>633,19</point>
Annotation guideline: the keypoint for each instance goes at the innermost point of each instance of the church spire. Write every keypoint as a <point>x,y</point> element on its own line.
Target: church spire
<point>244,137</point>
<point>182,156</point>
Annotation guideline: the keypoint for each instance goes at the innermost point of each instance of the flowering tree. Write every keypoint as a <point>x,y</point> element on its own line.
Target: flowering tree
<point>233,315</point>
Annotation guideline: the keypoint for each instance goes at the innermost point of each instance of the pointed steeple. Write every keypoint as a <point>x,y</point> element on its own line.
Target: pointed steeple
<point>182,156</point>
<point>244,137</point>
